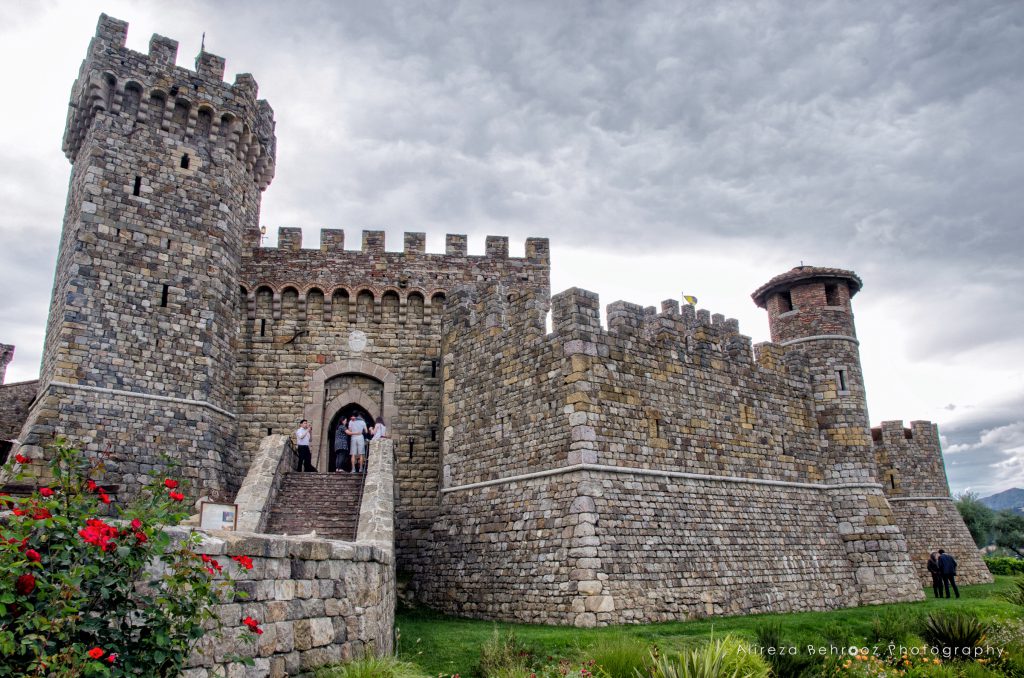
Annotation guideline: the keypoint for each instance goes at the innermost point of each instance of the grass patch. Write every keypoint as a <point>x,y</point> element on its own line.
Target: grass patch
<point>442,645</point>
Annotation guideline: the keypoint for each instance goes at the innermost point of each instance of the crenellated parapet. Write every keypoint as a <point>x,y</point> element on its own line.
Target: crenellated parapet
<point>196,109</point>
<point>332,277</point>
<point>910,459</point>
<point>681,332</point>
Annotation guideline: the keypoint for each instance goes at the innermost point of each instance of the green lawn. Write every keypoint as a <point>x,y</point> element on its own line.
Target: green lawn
<point>446,645</point>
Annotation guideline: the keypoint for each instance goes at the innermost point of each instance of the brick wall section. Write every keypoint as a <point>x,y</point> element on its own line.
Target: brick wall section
<point>914,479</point>
<point>302,309</point>
<point>167,168</point>
<point>15,400</point>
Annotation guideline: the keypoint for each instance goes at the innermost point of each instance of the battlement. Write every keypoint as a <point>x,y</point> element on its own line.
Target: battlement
<point>894,433</point>
<point>197,107</point>
<point>374,242</point>
<point>373,269</point>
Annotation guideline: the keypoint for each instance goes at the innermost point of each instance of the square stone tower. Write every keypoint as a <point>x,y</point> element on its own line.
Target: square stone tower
<point>167,169</point>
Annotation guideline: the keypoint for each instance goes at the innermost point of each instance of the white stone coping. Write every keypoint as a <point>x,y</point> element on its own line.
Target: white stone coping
<point>816,337</point>
<point>657,473</point>
<point>145,396</point>
<point>920,498</point>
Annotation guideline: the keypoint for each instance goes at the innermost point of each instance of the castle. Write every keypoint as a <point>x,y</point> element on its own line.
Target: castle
<point>658,468</point>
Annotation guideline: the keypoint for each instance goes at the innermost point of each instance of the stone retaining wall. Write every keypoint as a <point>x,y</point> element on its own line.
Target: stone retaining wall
<point>596,546</point>
<point>318,601</point>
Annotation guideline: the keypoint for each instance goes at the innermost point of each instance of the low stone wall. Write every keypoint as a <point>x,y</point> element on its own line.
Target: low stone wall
<point>15,400</point>
<point>318,601</point>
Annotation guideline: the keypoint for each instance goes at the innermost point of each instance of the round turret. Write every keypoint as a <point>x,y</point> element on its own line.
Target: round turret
<point>809,302</point>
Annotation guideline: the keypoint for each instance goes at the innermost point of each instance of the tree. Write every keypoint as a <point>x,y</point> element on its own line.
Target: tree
<point>1009,529</point>
<point>980,519</point>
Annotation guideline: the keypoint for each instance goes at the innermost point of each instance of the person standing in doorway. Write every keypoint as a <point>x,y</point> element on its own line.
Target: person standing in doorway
<point>303,438</point>
<point>357,444</point>
<point>341,448</point>
<point>947,566</point>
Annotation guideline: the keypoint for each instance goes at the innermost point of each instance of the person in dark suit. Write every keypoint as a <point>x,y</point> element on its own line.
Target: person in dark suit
<point>933,570</point>
<point>947,567</point>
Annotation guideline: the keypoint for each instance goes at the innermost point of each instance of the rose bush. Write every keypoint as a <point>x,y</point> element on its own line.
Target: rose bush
<point>86,594</point>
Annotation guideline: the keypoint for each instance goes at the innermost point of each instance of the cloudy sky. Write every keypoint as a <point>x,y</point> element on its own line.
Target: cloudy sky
<point>664,147</point>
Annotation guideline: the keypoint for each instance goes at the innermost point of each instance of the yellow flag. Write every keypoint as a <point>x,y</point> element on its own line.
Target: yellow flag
<point>690,299</point>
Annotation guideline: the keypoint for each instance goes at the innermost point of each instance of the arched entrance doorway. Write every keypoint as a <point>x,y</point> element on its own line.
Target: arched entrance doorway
<point>339,422</point>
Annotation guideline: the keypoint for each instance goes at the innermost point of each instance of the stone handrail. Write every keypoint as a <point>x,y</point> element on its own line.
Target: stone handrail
<point>376,510</point>
<point>256,496</point>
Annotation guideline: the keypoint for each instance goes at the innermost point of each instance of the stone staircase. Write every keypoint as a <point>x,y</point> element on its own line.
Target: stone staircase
<point>325,502</point>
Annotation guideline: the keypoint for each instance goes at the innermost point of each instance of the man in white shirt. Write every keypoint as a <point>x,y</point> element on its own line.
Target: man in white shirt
<point>303,438</point>
<point>356,428</point>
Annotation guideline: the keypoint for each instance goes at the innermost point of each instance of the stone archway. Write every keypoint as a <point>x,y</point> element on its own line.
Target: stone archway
<point>320,411</point>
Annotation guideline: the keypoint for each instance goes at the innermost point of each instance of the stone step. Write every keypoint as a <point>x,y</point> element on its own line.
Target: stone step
<point>325,502</point>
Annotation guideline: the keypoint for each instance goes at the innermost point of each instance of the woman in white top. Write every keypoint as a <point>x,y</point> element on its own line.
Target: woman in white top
<point>379,430</point>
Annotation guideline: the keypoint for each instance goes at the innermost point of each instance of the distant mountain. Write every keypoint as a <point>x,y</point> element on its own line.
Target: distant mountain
<point>1010,499</point>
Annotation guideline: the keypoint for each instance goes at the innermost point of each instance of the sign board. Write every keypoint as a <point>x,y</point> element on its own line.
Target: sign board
<point>218,516</point>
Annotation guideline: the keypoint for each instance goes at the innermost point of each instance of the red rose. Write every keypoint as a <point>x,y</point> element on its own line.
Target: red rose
<point>91,484</point>
<point>136,524</point>
<point>25,585</point>
<point>140,537</point>
<point>17,511</point>
<point>21,459</point>
<point>253,625</point>
<point>42,514</point>
<point>104,497</point>
<point>112,658</point>
<point>170,484</point>
<point>244,561</point>
<point>33,555</point>
<point>96,653</point>
<point>176,496</point>
<point>45,491</point>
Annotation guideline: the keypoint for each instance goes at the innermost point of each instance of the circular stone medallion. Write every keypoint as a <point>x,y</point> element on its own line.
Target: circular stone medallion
<point>357,340</point>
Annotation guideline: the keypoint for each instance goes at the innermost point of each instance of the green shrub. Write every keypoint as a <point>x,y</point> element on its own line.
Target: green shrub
<point>620,657</point>
<point>503,656</point>
<point>717,658</point>
<point>1015,594</point>
<point>894,627</point>
<point>1004,565</point>
<point>79,593</point>
<point>954,635</point>
<point>769,635</point>
<point>370,667</point>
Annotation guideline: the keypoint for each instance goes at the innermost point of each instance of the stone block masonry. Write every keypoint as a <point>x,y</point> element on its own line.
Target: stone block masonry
<point>913,476</point>
<point>324,328</point>
<point>649,471</point>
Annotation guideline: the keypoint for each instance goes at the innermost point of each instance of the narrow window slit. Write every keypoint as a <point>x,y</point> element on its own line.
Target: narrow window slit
<point>184,161</point>
<point>138,186</point>
<point>163,297</point>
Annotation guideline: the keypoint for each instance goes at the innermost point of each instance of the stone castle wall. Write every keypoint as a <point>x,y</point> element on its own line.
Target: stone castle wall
<point>299,359</point>
<point>913,476</point>
<point>692,479</point>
